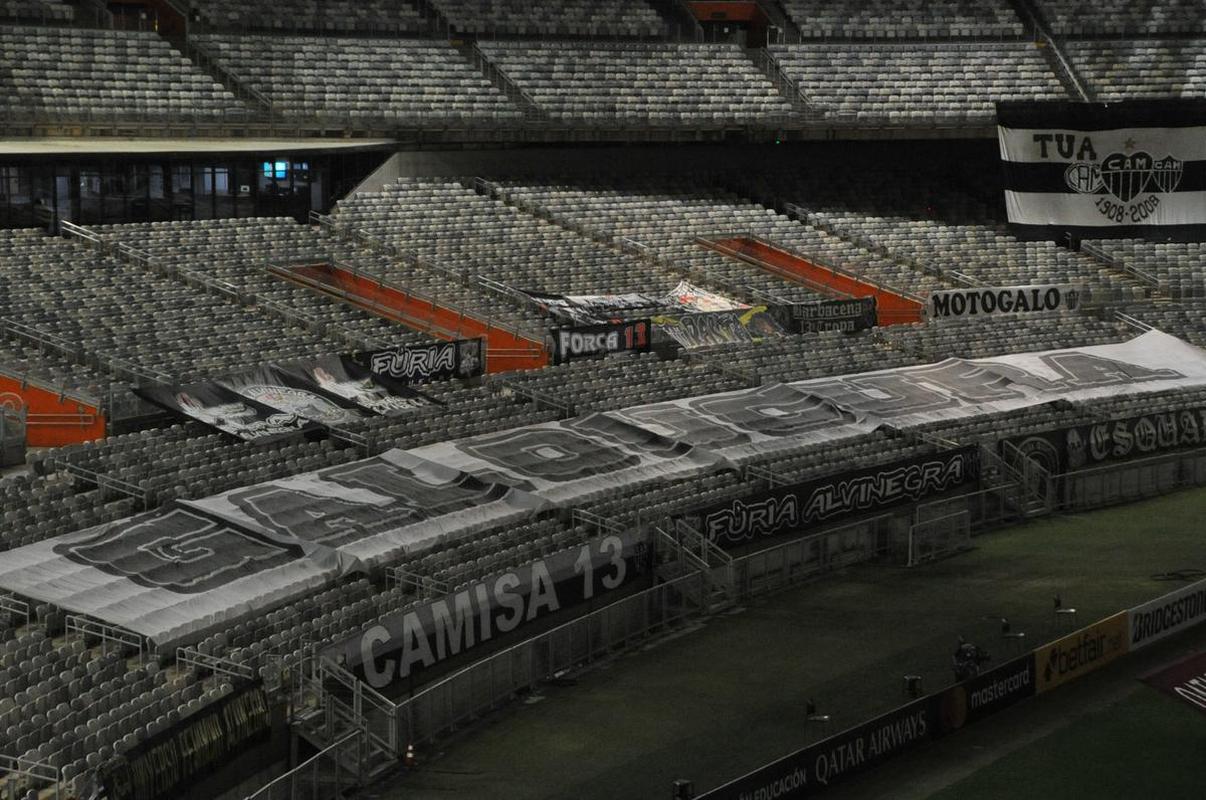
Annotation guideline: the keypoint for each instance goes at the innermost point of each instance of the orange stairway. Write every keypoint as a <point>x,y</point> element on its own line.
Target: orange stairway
<point>894,307</point>
<point>52,418</point>
<point>506,349</point>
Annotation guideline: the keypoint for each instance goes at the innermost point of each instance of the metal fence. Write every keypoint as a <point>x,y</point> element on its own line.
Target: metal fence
<point>495,681</point>
<point>324,776</point>
<point>1129,481</point>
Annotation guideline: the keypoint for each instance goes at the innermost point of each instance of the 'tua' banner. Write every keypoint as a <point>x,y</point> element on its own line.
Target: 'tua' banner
<point>1127,169</point>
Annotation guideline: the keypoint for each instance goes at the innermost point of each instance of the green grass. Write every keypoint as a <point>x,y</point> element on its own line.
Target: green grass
<point>1147,746</point>
<point>720,701</point>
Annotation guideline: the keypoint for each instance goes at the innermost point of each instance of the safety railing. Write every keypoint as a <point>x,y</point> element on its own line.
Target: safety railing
<point>495,681</point>
<point>1132,322</point>
<point>782,565</point>
<point>322,776</point>
<point>191,657</point>
<point>20,774</point>
<point>540,399</point>
<point>14,608</point>
<point>111,636</point>
<point>1129,481</point>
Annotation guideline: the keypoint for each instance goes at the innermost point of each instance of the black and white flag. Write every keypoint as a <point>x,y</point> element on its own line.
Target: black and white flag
<point>1104,170</point>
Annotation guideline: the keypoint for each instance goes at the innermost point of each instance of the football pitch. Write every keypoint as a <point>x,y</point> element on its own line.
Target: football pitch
<point>1146,745</point>
<point>728,696</point>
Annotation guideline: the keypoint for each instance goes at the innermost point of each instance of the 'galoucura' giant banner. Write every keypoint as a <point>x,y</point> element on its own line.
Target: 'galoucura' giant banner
<point>1101,171</point>
<point>192,566</point>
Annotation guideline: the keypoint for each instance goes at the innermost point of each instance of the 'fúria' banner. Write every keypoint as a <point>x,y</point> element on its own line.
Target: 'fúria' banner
<point>1102,171</point>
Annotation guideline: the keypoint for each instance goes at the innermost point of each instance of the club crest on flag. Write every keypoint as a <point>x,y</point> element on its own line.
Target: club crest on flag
<point>1125,176</point>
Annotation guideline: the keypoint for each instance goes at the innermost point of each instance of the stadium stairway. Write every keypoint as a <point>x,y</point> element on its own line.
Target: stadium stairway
<point>53,417</point>
<point>506,349</point>
<point>895,307</point>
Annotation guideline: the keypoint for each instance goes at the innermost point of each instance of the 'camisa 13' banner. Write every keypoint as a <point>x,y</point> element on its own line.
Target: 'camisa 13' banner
<point>1102,171</point>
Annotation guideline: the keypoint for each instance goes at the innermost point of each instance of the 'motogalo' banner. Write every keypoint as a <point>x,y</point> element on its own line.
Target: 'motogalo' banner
<point>1104,171</point>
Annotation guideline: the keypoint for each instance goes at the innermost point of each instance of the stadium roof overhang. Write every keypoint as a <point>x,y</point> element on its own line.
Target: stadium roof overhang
<point>89,146</point>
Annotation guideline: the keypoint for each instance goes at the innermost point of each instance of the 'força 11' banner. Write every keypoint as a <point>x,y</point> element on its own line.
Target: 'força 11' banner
<point>1104,171</point>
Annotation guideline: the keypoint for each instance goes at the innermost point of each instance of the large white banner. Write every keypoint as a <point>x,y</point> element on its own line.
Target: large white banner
<point>188,568</point>
<point>1166,615</point>
<point>1103,170</point>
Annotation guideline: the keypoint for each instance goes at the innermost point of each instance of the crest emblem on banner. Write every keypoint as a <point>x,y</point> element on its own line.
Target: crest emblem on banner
<point>1125,175</point>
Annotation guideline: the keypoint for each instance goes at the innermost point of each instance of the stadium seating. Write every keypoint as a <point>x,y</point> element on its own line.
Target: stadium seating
<point>636,83</point>
<point>555,18</point>
<point>668,216</point>
<point>917,84</point>
<point>119,314</point>
<point>42,11</point>
<point>78,74</point>
<point>362,80</point>
<point>363,16</point>
<point>239,251</point>
<point>1074,18</point>
<point>894,19</point>
<point>1176,266</point>
<point>1141,68</point>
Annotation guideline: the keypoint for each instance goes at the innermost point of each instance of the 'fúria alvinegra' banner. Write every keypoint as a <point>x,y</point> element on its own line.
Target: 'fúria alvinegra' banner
<point>1104,170</point>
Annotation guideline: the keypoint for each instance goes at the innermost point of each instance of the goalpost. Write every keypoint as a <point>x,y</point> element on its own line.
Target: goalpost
<point>939,537</point>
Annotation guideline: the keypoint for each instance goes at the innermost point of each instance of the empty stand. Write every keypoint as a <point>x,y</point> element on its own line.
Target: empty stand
<point>79,74</point>
<point>1073,18</point>
<point>322,16</point>
<point>361,80</point>
<point>629,83</point>
<point>42,11</point>
<point>553,17</point>
<point>894,19</point>
<point>920,84</point>
<point>1126,69</point>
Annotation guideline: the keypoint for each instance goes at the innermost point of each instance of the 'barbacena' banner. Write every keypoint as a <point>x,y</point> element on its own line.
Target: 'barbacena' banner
<point>1124,169</point>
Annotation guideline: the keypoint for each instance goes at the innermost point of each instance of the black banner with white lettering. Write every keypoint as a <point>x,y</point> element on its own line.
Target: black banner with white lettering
<point>342,377</point>
<point>405,644</point>
<point>162,766</point>
<point>229,412</point>
<point>437,361</point>
<point>792,508</point>
<point>1085,446</point>
<point>990,300</point>
<point>593,341</point>
<point>852,315</point>
<point>1128,169</point>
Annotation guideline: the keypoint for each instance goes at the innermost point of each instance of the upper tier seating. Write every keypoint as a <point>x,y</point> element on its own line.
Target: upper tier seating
<point>36,10</point>
<point>894,19</point>
<point>239,252</point>
<point>553,17</point>
<point>915,83</point>
<point>1075,17</point>
<point>365,16</point>
<point>668,221</point>
<point>454,227</point>
<point>1125,70</point>
<point>361,79</point>
<point>73,73</point>
<point>1179,267</point>
<point>112,310</point>
<point>654,84</point>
